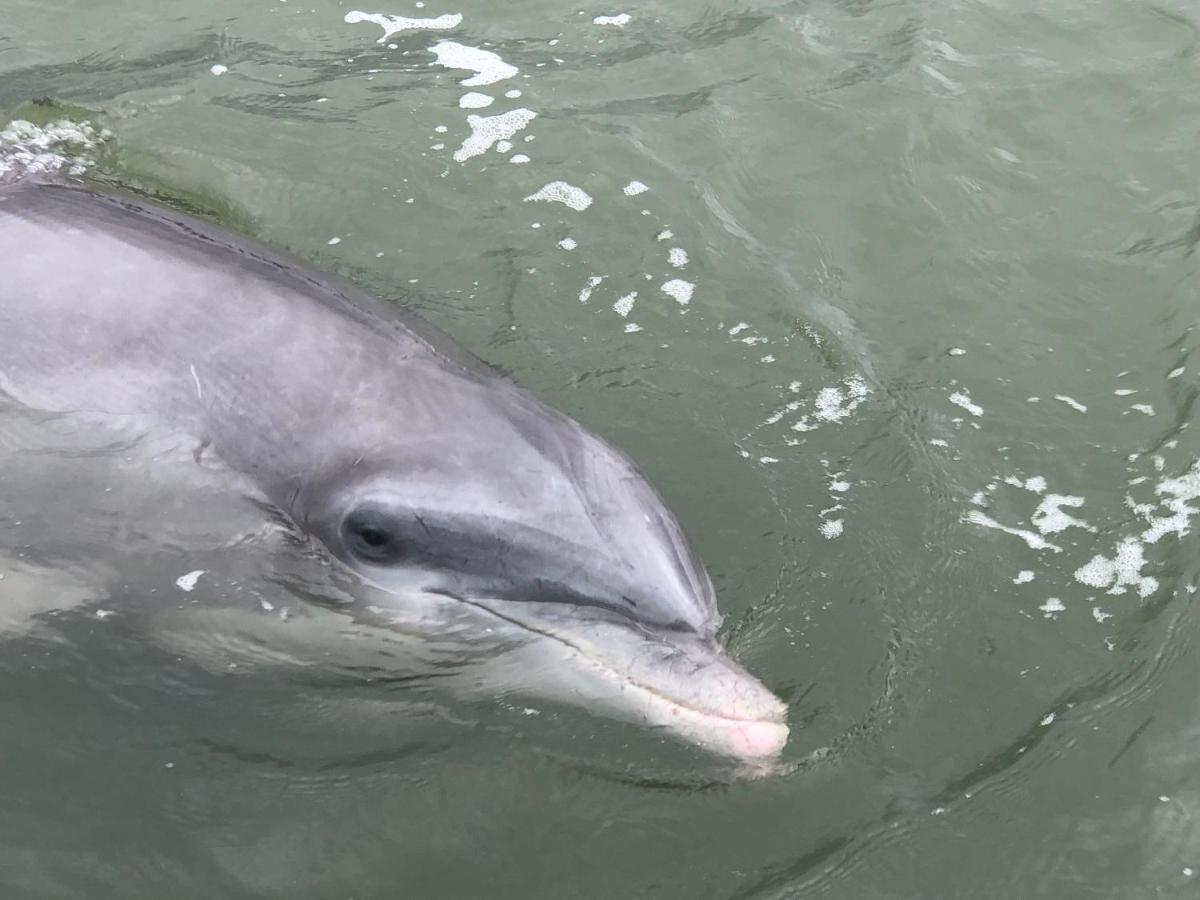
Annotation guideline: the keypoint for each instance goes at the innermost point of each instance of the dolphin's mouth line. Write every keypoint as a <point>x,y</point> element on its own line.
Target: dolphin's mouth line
<point>602,664</point>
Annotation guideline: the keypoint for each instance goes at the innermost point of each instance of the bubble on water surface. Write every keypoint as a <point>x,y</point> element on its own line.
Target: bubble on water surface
<point>395,24</point>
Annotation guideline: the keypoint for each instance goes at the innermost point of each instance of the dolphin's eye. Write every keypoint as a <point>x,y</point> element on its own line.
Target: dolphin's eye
<point>374,537</point>
<point>371,535</point>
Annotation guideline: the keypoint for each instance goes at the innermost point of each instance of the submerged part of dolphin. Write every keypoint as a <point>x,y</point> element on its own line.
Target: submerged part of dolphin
<point>442,486</point>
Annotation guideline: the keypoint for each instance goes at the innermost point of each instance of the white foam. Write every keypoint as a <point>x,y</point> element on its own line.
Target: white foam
<point>961,398</point>
<point>1124,392</point>
<point>1071,402</point>
<point>634,188</point>
<point>218,69</point>
<point>561,192</point>
<point>1177,491</point>
<point>487,130</point>
<point>1143,408</point>
<point>513,94</point>
<point>630,328</point>
<point>503,146</point>
<point>1023,577</point>
<point>1100,615</point>
<point>1122,571</point>
<point>938,442</point>
<point>188,582</point>
<point>831,528</point>
<point>956,351</point>
<point>1049,517</point>
<point>1036,484</point>
<point>475,100</point>
<point>679,289</point>
<point>487,66</point>
<point>1051,606</point>
<point>624,305</point>
<point>395,24</point>
<point>1175,373</point>
<point>1048,719</point>
<point>620,20</point>
<point>677,257</point>
<point>665,235</point>
<point>568,243</point>
<point>1034,540</point>
<point>778,414</point>
<point>593,283</point>
<point>28,149</point>
<point>832,405</point>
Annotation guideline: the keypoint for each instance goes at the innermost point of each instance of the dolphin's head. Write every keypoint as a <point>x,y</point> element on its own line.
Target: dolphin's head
<point>518,512</point>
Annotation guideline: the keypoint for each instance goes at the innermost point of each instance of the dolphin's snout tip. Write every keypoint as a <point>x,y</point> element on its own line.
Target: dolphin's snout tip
<point>748,720</point>
<point>751,728</point>
<point>738,716</point>
<point>757,740</point>
<point>688,687</point>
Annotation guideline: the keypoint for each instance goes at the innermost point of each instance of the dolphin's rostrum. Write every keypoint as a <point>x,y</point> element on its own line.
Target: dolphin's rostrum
<point>435,481</point>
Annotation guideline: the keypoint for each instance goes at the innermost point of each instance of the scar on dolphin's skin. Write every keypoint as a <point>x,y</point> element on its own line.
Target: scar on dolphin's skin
<point>198,453</point>
<point>469,507</point>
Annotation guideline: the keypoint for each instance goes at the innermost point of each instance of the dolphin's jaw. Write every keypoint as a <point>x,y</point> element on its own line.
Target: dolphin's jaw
<point>740,717</point>
<point>739,738</point>
<point>731,732</point>
<point>681,683</point>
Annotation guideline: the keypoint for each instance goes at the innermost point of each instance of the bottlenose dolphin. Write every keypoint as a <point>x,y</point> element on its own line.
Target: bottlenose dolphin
<point>440,485</point>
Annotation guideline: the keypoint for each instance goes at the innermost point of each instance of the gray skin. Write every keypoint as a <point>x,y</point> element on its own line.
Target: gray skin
<point>439,484</point>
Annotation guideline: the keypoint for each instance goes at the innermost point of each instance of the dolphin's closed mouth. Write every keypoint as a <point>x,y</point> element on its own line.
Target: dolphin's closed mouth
<point>742,738</point>
<point>728,711</point>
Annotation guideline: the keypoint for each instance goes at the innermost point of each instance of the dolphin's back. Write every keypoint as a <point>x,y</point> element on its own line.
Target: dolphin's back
<point>108,306</point>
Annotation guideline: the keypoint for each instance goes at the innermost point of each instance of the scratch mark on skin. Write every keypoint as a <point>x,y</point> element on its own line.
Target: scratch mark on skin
<point>196,378</point>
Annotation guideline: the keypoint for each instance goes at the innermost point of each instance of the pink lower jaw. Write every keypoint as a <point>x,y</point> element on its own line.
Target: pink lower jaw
<point>755,740</point>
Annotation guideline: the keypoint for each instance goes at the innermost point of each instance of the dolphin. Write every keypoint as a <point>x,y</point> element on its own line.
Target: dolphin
<point>435,484</point>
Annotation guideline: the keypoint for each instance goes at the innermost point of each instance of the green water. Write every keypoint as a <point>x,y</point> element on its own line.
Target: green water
<point>942,270</point>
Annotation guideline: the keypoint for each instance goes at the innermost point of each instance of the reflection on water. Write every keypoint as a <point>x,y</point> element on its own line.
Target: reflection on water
<point>896,305</point>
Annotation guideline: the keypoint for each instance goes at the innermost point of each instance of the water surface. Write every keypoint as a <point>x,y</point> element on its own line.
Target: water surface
<point>927,413</point>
